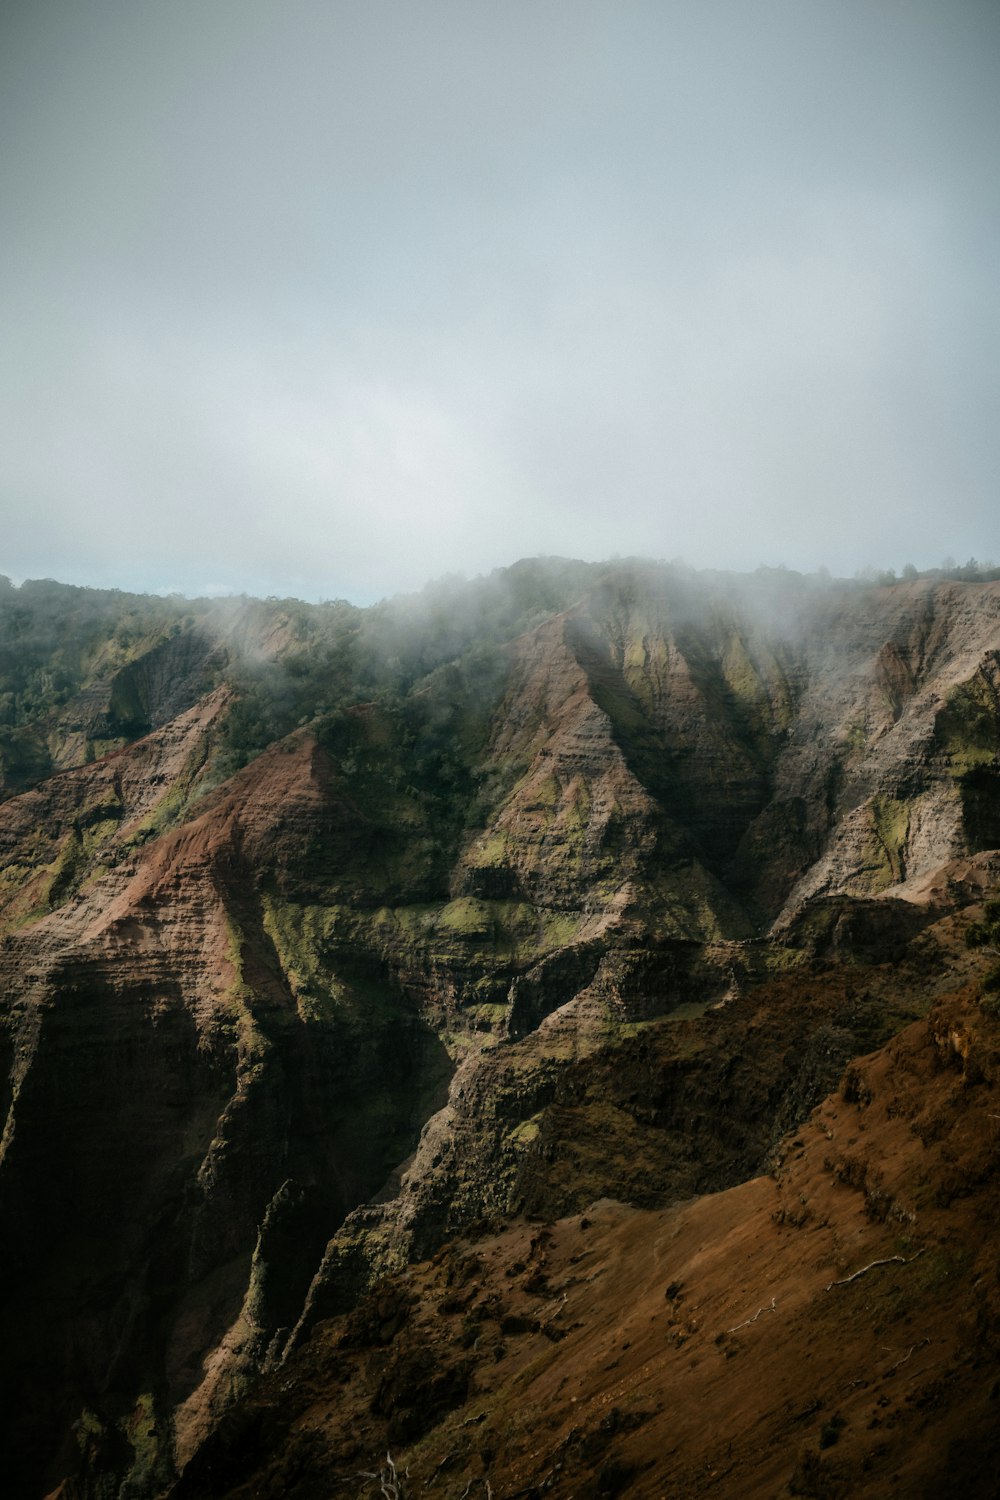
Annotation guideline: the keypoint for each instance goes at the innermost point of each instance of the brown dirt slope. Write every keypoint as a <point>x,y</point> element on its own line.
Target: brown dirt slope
<point>830,1330</point>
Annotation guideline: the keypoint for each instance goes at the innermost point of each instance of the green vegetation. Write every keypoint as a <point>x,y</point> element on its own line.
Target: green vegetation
<point>949,571</point>
<point>524,1134</point>
<point>967,732</point>
<point>986,935</point>
<point>57,642</point>
<point>891,824</point>
<point>967,729</point>
<point>303,938</point>
<point>252,1044</point>
<point>431,661</point>
<point>172,806</point>
<point>404,698</point>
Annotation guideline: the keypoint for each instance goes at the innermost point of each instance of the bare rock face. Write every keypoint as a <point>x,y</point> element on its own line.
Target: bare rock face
<point>603,921</point>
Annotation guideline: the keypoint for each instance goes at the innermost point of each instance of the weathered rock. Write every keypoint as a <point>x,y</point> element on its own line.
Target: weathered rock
<point>601,924</point>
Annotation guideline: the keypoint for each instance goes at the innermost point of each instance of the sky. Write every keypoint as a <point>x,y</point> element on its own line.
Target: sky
<point>333,297</point>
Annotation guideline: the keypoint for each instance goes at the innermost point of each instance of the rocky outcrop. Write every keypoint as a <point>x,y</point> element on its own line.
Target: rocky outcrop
<point>600,915</point>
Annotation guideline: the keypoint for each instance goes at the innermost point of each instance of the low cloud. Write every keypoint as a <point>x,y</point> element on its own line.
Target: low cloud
<point>318,305</point>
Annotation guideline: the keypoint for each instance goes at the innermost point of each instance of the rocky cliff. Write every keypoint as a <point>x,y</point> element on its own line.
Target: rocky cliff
<point>376,933</point>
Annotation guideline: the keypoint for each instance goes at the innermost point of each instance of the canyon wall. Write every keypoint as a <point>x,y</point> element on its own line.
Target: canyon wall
<point>369,932</point>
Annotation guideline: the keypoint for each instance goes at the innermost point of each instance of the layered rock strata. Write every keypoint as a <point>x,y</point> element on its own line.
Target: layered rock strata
<point>609,932</point>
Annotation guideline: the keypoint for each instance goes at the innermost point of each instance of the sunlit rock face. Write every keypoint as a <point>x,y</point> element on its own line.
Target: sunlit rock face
<point>397,926</point>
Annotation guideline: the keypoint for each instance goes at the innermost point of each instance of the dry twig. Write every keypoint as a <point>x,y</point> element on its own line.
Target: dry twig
<point>756,1315</point>
<point>912,1350</point>
<point>886,1260</point>
<point>389,1481</point>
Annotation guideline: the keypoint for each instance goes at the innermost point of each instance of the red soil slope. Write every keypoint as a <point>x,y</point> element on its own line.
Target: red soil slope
<point>832,1330</point>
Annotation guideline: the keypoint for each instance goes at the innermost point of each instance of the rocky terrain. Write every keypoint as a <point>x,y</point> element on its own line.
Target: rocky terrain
<point>430,1029</point>
<point>829,1329</point>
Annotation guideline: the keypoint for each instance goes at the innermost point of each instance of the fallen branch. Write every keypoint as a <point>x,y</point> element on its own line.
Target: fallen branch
<point>754,1318</point>
<point>388,1479</point>
<point>885,1261</point>
<point>913,1348</point>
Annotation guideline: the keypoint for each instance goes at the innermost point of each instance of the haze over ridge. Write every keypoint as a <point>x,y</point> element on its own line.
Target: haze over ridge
<point>328,300</point>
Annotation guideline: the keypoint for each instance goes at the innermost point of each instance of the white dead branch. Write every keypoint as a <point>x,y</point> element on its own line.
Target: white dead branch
<point>389,1481</point>
<point>756,1315</point>
<point>908,1355</point>
<point>886,1260</point>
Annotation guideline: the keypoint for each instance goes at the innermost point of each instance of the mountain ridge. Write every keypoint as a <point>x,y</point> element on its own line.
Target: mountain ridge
<point>397,925</point>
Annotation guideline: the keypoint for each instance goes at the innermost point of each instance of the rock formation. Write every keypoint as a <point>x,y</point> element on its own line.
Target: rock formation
<point>342,951</point>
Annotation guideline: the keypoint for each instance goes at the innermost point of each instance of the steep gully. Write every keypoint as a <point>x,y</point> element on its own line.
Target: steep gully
<point>250,1073</point>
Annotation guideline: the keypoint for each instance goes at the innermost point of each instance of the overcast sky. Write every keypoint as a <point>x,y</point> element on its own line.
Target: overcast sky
<point>333,298</point>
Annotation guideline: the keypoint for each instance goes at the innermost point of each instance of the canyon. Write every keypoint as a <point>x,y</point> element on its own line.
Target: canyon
<point>527,1029</point>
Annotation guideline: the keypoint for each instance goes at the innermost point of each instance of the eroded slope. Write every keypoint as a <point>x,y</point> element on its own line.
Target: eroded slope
<point>829,1330</point>
<point>506,926</point>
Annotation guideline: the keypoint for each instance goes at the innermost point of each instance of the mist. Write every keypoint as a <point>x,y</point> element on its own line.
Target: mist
<point>328,300</point>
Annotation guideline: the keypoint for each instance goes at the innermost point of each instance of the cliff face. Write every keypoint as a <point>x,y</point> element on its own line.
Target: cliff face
<point>504,925</point>
<point>834,745</point>
<point>172,1106</point>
